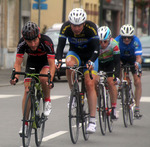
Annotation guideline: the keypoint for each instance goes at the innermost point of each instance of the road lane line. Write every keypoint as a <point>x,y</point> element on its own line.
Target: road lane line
<point>8,96</point>
<point>54,135</point>
<point>145,99</point>
<point>53,97</point>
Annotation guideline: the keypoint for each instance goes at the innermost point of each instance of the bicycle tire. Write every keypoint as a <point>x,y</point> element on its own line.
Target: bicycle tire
<point>85,118</point>
<point>40,123</point>
<point>101,101</point>
<point>108,112</point>
<point>26,138</point>
<point>131,107</point>
<point>74,114</point>
<point>125,107</point>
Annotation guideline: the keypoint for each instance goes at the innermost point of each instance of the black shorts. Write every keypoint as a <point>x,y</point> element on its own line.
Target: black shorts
<point>107,67</point>
<point>37,62</point>
<point>131,61</point>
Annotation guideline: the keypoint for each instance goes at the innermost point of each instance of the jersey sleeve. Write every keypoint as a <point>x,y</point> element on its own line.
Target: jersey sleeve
<point>138,47</point>
<point>49,48</point>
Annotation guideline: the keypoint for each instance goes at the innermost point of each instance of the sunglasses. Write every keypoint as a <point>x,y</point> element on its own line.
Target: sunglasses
<point>129,37</point>
<point>105,41</point>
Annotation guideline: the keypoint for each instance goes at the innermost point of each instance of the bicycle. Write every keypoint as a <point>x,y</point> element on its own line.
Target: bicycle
<point>35,117</point>
<point>78,106</point>
<point>127,95</point>
<point>104,103</point>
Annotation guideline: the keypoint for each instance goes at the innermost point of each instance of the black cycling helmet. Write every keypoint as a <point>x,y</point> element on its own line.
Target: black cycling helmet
<point>30,31</point>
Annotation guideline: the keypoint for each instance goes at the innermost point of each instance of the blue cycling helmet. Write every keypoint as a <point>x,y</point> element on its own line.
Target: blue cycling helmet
<point>104,33</point>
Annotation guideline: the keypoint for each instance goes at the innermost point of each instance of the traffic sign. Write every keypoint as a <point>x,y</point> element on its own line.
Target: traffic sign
<point>42,6</point>
<point>41,1</point>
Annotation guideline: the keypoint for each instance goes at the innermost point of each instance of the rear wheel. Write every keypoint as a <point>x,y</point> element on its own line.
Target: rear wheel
<point>74,115</point>
<point>27,119</point>
<point>40,123</point>
<point>125,107</point>
<point>101,101</point>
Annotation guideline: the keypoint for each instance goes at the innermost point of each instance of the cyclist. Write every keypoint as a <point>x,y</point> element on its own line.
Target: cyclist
<point>84,45</point>
<point>130,52</point>
<point>109,60</point>
<point>41,56</point>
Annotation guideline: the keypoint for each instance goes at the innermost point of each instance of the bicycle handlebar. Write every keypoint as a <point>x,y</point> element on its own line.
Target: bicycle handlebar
<point>30,75</point>
<point>76,68</point>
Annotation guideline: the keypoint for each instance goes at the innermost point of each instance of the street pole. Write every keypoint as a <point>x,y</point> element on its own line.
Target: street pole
<point>64,11</point>
<point>39,12</point>
<point>133,17</point>
<point>101,13</point>
<point>20,17</point>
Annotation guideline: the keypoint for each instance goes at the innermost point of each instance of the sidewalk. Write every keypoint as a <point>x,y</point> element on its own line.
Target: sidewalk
<point>5,75</point>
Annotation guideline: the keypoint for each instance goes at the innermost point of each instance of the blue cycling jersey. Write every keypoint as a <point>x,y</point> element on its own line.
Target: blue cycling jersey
<point>132,49</point>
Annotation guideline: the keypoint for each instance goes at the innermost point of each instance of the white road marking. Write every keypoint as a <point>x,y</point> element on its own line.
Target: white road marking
<point>145,99</point>
<point>8,96</point>
<point>53,97</point>
<point>54,135</point>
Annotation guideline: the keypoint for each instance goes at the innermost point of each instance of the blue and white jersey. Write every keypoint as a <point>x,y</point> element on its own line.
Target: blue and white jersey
<point>132,49</point>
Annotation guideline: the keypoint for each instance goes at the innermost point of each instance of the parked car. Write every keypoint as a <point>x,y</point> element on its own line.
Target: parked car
<point>53,33</point>
<point>145,41</point>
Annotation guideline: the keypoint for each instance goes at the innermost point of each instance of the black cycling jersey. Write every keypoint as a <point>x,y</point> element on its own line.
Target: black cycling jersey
<point>38,58</point>
<point>86,45</point>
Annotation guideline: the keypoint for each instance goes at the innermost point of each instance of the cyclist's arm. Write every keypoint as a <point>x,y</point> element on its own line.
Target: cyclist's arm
<point>139,59</point>
<point>17,65</point>
<point>60,48</point>
<point>95,45</point>
<point>117,65</point>
<point>51,63</point>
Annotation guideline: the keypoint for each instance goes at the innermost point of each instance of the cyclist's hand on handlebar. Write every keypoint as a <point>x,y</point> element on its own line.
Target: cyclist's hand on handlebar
<point>50,85</point>
<point>90,65</point>
<point>58,64</point>
<point>117,81</point>
<point>14,81</point>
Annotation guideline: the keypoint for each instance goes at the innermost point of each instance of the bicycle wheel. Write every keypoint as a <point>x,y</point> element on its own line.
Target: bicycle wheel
<point>74,115</point>
<point>40,123</point>
<point>125,107</point>
<point>108,112</point>
<point>27,118</point>
<point>131,107</point>
<point>85,118</point>
<point>101,101</point>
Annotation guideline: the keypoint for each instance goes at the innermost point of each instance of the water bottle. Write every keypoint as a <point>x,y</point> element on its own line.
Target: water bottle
<point>37,108</point>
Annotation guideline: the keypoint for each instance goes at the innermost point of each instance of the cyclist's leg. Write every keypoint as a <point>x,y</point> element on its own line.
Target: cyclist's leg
<point>46,90</point>
<point>91,95</point>
<point>112,88</point>
<point>71,59</point>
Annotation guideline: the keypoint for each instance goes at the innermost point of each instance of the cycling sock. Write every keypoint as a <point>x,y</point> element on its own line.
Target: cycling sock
<point>137,108</point>
<point>47,99</point>
<point>26,123</point>
<point>114,105</point>
<point>92,119</point>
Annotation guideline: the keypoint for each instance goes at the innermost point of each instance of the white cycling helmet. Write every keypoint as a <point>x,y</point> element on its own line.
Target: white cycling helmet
<point>127,30</point>
<point>104,33</point>
<point>77,16</point>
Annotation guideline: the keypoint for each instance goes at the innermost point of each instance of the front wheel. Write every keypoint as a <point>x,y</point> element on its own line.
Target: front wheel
<point>74,115</point>
<point>40,122</point>
<point>125,106</point>
<point>101,101</point>
<point>27,121</point>
<point>85,118</point>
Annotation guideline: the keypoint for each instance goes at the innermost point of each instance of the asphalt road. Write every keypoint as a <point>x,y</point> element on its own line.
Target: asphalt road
<point>57,130</point>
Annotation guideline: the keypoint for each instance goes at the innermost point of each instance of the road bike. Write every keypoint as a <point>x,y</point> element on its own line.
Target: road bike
<point>33,109</point>
<point>78,106</point>
<point>104,103</point>
<point>127,95</point>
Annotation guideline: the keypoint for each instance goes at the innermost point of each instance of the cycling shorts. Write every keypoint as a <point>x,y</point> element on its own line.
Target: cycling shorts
<point>80,61</point>
<point>131,61</point>
<point>107,67</point>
